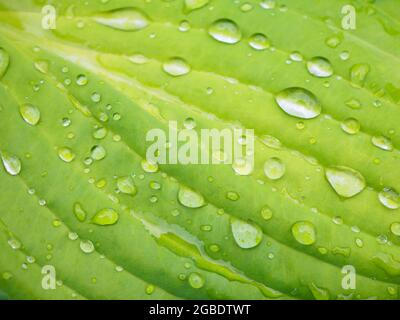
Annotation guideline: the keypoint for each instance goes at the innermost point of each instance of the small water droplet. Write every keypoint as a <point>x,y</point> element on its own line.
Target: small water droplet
<point>96,97</point>
<point>320,67</point>
<point>389,198</point>
<point>176,67</point>
<point>353,104</point>
<point>98,153</point>
<point>86,246</point>
<point>246,234</point>
<point>42,66</point>
<point>225,31</point>
<point>4,62</point>
<point>195,4</point>
<point>79,212</point>
<point>105,217</point>
<point>100,133</point>
<point>126,185</point>
<point>189,198</point>
<point>81,80</point>
<point>274,168</point>
<point>351,126</point>
<point>266,213</point>
<point>148,166</point>
<point>333,41</point>
<point>345,181</point>
<point>395,228</point>
<point>259,41</point>
<point>11,163</point>
<point>232,195</point>
<point>304,232</point>
<point>125,19</point>
<point>30,113</point>
<point>242,166</point>
<point>358,74</point>
<point>14,244</point>
<point>195,280</point>
<point>138,59</point>
<point>299,102</point>
<point>382,142</point>
<point>66,154</point>
<point>296,56</point>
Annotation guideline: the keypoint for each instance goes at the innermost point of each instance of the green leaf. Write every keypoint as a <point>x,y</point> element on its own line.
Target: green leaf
<point>81,198</point>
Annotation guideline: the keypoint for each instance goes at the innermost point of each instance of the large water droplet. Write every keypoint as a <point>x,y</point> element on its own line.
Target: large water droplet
<point>304,232</point>
<point>126,19</point>
<point>246,234</point>
<point>382,142</point>
<point>11,163</point>
<point>345,181</point>
<point>358,74</point>
<point>320,67</point>
<point>195,4</point>
<point>299,102</point>
<point>105,217</point>
<point>274,168</point>
<point>176,67</point>
<point>259,41</point>
<point>225,31</point>
<point>30,113</point>
<point>126,185</point>
<point>4,62</point>
<point>389,198</point>
<point>189,198</point>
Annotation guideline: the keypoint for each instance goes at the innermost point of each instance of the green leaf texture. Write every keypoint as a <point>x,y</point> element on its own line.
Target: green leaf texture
<point>77,195</point>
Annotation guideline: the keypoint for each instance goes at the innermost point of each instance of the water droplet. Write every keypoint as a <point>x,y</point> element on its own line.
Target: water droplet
<point>150,289</point>
<point>176,67</point>
<point>299,102</point>
<point>296,56</point>
<point>105,217</point>
<point>138,59</point>
<point>266,213</point>
<point>100,133</point>
<point>11,163</point>
<point>232,195</point>
<point>214,248</point>
<point>225,31</point>
<point>395,228</point>
<point>14,244</point>
<point>242,167</point>
<point>7,275</point>
<point>79,212</point>
<point>345,181</point>
<point>382,143</point>
<point>30,113</point>
<point>246,234</point>
<point>66,154</point>
<point>259,41</point>
<point>268,4</point>
<point>351,126</point>
<point>189,198</point>
<point>353,104</point>
<point>344,55</point>
<point>271,142</point>
<point>358,74</point>
<point>184,26</point>
<point>96,97</point>
<point>319,293</point>
<point>389,198</point>
<point>125,19</point>
<point>189,123</point>
<point>148,166</point>
<point>304,232</point>
<point>333,41</point>
<point>320,67</point>
<point>126,185</point>
<point>4,62</point>
<point>87,246</point>
<point>274,168</point>
<point>98,153</point>
<point>73,236</point>
<point>195,4</point>
<point>81,80</point>
<point>65,122</point>
<point>195,280</point>
<point>42,66</point>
